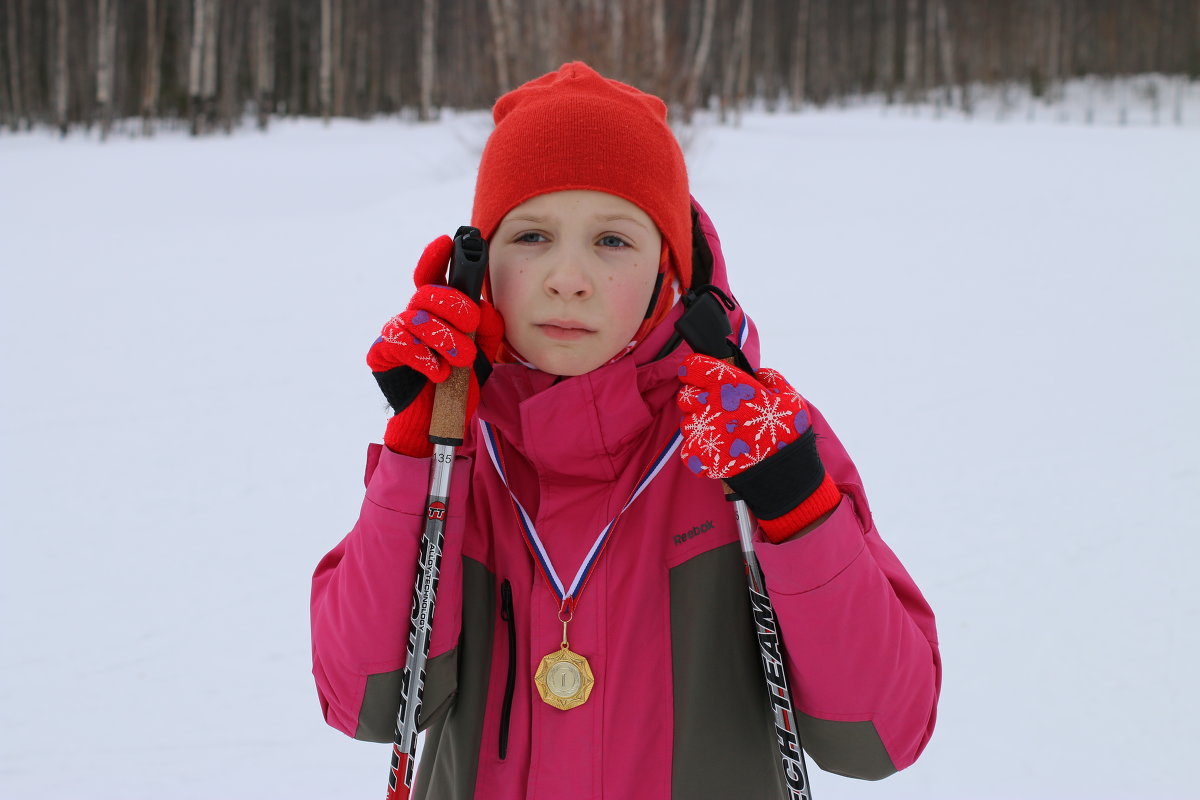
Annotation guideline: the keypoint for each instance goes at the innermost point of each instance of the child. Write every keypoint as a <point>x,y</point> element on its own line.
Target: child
<point>583,198</point>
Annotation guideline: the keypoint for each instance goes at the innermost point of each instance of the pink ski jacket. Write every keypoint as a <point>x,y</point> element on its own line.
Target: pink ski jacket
<point>679,708</point>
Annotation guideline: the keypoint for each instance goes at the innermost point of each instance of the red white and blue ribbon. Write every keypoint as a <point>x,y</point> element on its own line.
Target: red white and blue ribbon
<point>568,594</point>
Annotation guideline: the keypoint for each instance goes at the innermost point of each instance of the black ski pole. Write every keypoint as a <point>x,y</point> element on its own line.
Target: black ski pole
<point>705,327</point>
<point>446,430</point>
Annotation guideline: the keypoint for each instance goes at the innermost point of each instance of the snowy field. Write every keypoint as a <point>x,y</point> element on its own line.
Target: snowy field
<point>999,319</point>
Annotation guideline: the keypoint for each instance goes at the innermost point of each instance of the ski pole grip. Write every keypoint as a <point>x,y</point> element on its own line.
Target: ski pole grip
<point>705,327</point>
<point>467,268</point>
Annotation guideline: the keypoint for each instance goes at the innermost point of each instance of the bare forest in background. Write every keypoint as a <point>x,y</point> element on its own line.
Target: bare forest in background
<point>212,64</point>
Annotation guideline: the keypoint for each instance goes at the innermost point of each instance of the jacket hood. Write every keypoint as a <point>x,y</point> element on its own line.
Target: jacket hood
<point>744,331</point>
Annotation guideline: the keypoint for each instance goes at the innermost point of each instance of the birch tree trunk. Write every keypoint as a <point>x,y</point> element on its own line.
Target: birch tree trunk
<point>375,59</point>
<point>768,65</point>
<point>296,64</point>
<point>15,74</point>
<point>180,54</point>
<point>551,33</point>
<point>106,31</point>
<point>264,62</point>
<point>360,53</point>
<point>841,44</point>
<point>150,77</point>
<point>84,64</point>
<point>7,117</point>
<point>542,43</point>
<point>326,68</point>
<point>742,38</point>
<point>1069,36</point>
<point>500,45</point>
<point>208,83</point>
<point>196,64</point>
<point>336,57</point>
<point>699,60</point>
<point>861,31</point>
<point>61,76</point>
<point>729,80</point>
<point>1033,52</point>
<point>394,83</point>
<point>820,72</point>
<point>885,70</point>
<point>519,64</point>
<point>1053,46</point>
<point>427,59</point>
<point>658,32</point>
<point>912,49</point>
<point>929,48</point>
<point>225,91</point>
<point>691,40</point>
<point>945,39</point>
<point>799,71</point>
<point>616,39</point>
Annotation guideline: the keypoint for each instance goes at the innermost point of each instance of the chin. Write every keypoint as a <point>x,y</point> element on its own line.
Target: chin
<point>567,365</point>
<point>569,370</point>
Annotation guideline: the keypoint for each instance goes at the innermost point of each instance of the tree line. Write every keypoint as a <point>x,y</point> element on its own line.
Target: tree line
<point>211,64</point>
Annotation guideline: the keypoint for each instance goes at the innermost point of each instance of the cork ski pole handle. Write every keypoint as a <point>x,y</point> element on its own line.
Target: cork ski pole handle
<point>467,268</point>
<point>449,421</point>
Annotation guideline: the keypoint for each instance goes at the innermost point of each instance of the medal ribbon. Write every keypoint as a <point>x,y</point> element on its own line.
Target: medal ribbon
<point>568,595</point>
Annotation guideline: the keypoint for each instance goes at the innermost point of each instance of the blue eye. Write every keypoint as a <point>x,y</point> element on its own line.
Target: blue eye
<point>531,237</point>
<point>612,241</point>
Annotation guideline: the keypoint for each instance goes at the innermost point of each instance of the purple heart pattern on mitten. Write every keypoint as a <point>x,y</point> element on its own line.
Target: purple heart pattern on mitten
<point>732,420</point>
<point>431,336</point>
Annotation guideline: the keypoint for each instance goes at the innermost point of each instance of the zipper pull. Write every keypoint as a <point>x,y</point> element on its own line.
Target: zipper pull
<point>506,603</point>
<point>510,683</point>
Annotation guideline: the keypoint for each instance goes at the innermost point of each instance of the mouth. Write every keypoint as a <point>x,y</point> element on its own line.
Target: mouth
<point>563,329</point>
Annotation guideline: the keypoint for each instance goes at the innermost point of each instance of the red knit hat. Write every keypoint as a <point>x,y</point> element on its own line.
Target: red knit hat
<point>576,129</point>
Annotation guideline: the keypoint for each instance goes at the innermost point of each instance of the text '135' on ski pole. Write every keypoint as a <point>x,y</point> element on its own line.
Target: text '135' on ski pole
<point>446,432</point>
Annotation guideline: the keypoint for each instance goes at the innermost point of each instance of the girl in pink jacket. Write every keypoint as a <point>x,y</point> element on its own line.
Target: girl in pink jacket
<point>593,636</point>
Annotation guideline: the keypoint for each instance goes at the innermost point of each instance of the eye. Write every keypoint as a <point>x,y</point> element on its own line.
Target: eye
<point>529,237</point>
<point>612,240</point>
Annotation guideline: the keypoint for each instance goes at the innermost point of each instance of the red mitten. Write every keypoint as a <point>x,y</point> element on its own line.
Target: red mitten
<point>418,347</point>
<point>753,431</point>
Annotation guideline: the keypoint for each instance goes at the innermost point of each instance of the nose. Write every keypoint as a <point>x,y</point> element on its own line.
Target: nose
<point>568,276</point>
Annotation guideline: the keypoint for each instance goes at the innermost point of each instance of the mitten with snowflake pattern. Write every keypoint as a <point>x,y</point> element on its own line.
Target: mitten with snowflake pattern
<point>418,347</point>
<point>754,432</point>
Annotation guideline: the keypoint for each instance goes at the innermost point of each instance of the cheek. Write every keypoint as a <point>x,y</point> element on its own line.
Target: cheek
<point>631,299</point>
<point>508,288</point>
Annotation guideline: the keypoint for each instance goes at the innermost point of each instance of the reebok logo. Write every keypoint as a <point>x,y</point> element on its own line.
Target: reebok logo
<point>696,531</point>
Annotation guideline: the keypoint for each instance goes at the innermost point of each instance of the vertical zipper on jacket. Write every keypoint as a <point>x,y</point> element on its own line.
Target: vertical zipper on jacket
<point>506,614</point>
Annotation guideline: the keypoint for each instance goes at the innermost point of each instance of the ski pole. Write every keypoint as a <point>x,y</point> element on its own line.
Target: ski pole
<point>705,327</point>
<point>446,431</point>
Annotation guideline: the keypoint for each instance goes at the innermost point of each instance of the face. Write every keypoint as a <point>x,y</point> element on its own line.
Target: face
<point>572,273</point>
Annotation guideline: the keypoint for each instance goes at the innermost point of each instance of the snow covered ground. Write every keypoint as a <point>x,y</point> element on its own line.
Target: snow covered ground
<point>999,318</point>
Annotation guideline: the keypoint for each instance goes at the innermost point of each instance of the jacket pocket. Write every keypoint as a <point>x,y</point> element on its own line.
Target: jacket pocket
<point>510,684</point>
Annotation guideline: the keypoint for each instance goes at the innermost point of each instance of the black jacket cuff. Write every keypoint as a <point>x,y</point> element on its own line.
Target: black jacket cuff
<point>783,480</point>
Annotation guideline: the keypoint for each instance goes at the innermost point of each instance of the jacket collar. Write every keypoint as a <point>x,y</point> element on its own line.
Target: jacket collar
<point>583,427</point>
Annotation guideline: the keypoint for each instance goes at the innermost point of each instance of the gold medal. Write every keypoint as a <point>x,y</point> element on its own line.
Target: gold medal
<point>564,679</point>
